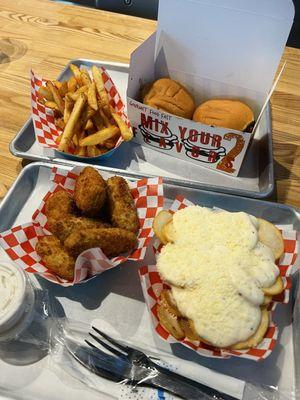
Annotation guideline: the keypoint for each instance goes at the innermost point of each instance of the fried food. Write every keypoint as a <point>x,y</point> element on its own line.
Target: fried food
<point>103,97</point>
<point>100,137</point>
<point>223,292</point>
<point>267,300</point>
<point>45,93</point>
<point>69,104</point>
<point>74,233</point>
<point>69,130</point>
<point>56,96</point>
<point>52,105</point>
<point>92,97</point>
<point>90,191</point>
<point>170,322</point>
<point>171,319</point>
<point>277,288</point>
<point>76,71</point>
<point>123,212</point>
<point>72,84</point>
<point>81,106</point>
<point>55,257</point>
<point>187,326</point>
<point>59,204</point>
<point>169,232</point>
<point>258,336</point>
<point>180,327</point>
<point>271,236</point>
<point>159,223</point>
<point>62,228</point>
<point>112,241</point>
<point>126,132</point>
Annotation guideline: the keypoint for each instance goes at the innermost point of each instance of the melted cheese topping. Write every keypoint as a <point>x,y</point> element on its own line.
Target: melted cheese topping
<point>218,268</point>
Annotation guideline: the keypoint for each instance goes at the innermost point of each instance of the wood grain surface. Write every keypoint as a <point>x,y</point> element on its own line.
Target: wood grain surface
<point>45,35</point>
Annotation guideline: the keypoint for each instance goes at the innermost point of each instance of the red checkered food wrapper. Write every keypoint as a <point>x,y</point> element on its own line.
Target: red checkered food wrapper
<point>152,286</point>
<point>46,132</point>
<point>19,242</point>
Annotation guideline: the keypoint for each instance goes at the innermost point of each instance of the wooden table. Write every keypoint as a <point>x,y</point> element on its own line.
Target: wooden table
<point>44,35</point>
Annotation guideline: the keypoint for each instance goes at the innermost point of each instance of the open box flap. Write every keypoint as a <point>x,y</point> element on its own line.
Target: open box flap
<point>236,42</point>
<point>141,66</point>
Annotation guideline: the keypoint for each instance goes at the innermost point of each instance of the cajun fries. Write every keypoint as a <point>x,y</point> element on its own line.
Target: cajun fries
<point>81,108</point>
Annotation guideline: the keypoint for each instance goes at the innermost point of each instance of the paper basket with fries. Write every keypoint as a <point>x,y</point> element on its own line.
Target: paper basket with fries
<point>152,286</point>
<point>83,116</point>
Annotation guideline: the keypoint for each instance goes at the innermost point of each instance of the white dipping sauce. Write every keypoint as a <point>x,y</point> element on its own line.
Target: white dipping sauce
<point>12,295</point>
<point>9,288</point>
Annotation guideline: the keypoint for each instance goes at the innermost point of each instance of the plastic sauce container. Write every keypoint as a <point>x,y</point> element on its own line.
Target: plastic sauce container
<point>16,300</point>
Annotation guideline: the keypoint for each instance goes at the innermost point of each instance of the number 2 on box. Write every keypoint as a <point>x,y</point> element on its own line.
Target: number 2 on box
<point>226,164</point>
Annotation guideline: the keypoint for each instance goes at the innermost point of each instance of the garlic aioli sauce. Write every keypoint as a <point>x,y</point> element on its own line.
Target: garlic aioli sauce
<point>10,287</point>
<point>218,268</point>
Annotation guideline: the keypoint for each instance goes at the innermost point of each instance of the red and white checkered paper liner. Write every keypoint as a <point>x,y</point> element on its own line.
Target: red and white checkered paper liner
<point>152,286</point>
<point>47,132</point>
<point>19,242</point>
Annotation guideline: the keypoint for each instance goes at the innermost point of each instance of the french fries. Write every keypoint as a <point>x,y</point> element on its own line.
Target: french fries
<point>85,77</point>
<point>56,96</point>
<point>125,131</point>
<point>90,126</point>
<point>60,123</point>
<point>58,139</point>
<point>52,105</point>
<point>44,92</point>
<point>92,151</point>
<point>106,121</point>
<point>92,98</point>
<point>98,121</point>
<point>103,97</point>
<point>70,126</point>
<point>100,137</point>
<point>62,87</point>
<point>69,104</point>
<point>72,84</point>
<point>77,74</point>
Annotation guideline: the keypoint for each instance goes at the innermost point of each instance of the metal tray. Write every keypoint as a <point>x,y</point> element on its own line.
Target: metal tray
<point>116,299</point>
<point>256,178</point>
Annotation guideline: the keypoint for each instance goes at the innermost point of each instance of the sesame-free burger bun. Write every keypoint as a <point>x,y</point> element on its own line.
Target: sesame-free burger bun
<point>225,113</point>
<point>170,96</point>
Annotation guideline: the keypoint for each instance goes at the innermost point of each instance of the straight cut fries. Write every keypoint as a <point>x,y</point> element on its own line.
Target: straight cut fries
<point>56,96</point>
<point>100,137</point>
<point>90,126</point>
<point>103,98</point>
<point>45,93</point>
<point>70,127</point>
<point>125,131</point>
<point>92,98</point>
<point>69,104</point>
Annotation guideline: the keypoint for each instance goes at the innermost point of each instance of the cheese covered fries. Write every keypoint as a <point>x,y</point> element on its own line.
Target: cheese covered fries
<point>221,270</point>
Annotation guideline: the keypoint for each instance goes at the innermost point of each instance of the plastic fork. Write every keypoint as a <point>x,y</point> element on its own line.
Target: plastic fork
<point>133,366</point>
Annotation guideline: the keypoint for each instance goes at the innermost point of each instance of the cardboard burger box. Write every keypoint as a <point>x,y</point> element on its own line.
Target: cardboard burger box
<point>216,49</point>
